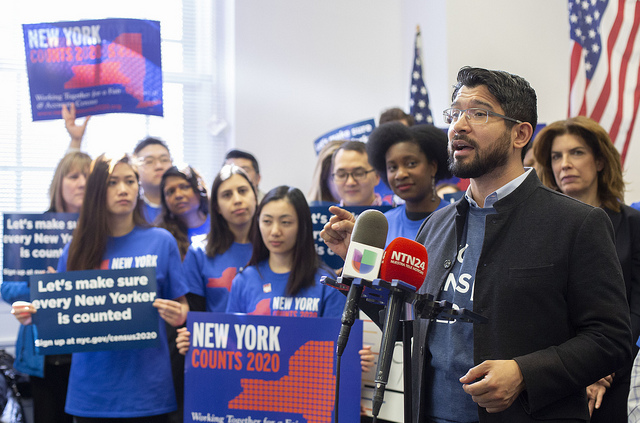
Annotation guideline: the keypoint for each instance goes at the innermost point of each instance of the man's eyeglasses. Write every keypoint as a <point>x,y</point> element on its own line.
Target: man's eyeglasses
<point>359,175</point>
<point>475,116</point>
<point>150,160</point>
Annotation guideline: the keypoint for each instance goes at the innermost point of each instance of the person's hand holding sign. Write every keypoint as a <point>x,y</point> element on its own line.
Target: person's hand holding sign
<point>75,131</point>
<point>173,312</point>
<point>183,340</point>
<point>22,310</point>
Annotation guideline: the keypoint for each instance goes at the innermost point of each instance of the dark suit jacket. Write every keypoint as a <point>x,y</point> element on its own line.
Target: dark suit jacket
<point>626,226</point>
<point>549,282</point>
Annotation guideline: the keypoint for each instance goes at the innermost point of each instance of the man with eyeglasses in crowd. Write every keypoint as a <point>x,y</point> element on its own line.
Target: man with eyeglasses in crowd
<point>540,266</point>
<point>355,179</point>
<point>153,158</point>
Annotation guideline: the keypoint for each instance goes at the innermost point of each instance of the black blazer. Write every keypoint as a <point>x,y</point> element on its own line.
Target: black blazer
<point>550,283</point>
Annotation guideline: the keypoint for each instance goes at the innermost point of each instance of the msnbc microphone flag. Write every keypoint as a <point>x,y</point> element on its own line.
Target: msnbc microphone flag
<point>605,63</point>
<point>419,102</point>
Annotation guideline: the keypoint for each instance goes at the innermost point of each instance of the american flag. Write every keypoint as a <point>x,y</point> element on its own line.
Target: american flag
<point>419,101</point>
<point>605,66</point>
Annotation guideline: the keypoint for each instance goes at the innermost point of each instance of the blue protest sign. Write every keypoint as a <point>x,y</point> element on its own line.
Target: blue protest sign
<point>358,131</point>
<point>320,215</point>
<point>245,368</point>
<point>103,66</point>
<point>33,242</point>
<point>95,310</point>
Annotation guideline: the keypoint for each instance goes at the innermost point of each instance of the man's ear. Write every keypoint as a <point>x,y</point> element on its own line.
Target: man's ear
<point>522,133</point>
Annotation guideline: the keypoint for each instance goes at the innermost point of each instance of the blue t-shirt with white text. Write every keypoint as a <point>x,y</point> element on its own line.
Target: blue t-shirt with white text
<point>260,291</point>
<point>451,342</point>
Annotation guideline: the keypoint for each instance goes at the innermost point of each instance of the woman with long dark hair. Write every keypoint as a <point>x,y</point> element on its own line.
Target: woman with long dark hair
<point>284,257</point>
<point>184,205</point>
<point>210,265</point>
<point>132,384</point>
<point>184,212</point>
<point>283,263</point>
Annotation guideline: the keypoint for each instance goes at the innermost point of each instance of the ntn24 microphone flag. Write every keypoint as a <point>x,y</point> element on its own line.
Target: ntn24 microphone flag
<point>102,66</point>
<point>405,260</point>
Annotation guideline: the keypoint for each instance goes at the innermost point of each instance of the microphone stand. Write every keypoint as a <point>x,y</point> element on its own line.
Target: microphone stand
<point>376,294</point>
<point>407,334</point>
<point>425,307</point>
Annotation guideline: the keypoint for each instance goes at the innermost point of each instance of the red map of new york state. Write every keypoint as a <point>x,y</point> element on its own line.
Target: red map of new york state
<point>308,389</point>
<point>127,68</point>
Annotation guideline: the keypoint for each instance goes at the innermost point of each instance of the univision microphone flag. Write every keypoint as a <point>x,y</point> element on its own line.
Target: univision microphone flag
<point>419,97</point>
<point>362,261</point>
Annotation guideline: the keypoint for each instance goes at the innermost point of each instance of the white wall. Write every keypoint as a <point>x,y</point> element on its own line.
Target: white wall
<point>303,67</point>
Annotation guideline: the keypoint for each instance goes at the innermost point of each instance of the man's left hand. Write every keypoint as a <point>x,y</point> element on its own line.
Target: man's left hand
<point>596,391</point>
<point>494,384</point>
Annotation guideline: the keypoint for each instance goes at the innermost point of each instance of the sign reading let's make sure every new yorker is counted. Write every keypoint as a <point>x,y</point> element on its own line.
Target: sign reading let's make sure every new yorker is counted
<point>94,310</point>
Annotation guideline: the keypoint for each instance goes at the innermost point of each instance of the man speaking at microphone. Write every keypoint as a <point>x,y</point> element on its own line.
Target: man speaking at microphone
<point>540,266</point>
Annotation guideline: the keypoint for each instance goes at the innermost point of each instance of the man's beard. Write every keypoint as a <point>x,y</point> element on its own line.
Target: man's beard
<point>483,162</point>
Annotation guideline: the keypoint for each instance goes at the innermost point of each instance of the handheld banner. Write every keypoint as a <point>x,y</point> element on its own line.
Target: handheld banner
<point>33,242</point>
<point>358,131</point>
<point>95,310</point>
<point>320,215</point>
<point>103,66</point>
<point>243,368</point>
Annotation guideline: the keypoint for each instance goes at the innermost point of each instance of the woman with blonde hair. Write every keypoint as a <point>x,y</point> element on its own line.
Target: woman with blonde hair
<point>68,184</point>
<point>49,375</point>
<point>576,157</point>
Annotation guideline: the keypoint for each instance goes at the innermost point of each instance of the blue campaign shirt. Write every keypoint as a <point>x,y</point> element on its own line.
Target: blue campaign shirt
<point>260,291</point>
<point>199,233</point>
<point>130,383</point>
<point>150,212</point>
<point>211,277</point>
<point>401,225</point>
<point>451,343</point>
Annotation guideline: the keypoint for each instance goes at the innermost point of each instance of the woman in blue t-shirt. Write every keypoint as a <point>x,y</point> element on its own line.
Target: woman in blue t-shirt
<point>126,384</point>
<point>284,264</point>
<point>49,375</point>
<point>184,212</point>
<point>283,276</point>
<point>184,206</point>
<point>410,160</point>
<point>210,265</point>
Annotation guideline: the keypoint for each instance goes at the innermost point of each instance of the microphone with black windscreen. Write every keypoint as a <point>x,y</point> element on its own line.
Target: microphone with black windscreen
<point>402,273</point>
<point>362,263</point>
